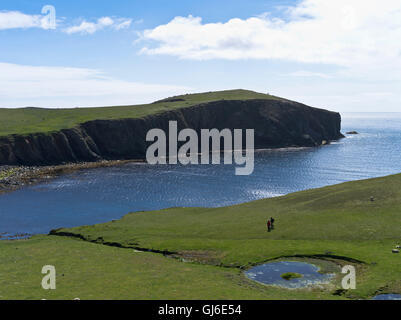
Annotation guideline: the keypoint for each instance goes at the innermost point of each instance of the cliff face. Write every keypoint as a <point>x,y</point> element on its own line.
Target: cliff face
<point>276,124</point>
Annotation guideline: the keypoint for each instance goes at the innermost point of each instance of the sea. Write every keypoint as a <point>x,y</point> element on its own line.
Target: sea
<point>103,194</point>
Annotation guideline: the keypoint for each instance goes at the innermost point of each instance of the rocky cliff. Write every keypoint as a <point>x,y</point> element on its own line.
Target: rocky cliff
<point>277,123</point>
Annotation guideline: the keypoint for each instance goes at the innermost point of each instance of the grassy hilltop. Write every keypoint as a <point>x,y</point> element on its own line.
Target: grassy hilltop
<point>35,120</point>
<point>331,226</point>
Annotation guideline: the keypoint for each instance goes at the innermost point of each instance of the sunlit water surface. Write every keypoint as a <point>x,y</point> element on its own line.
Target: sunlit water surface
<point>100,195</point>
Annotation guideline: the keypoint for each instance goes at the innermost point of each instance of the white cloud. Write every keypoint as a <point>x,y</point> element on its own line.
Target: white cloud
<point>345,33</point>
<point>91,27</point>
<point>309,74</point>
<point>19,20</point>
<point>123,24</point>
<point>22,85</point>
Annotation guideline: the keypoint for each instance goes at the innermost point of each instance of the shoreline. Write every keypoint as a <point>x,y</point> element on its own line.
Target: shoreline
<point>217,250</point>
<point>13,178</point>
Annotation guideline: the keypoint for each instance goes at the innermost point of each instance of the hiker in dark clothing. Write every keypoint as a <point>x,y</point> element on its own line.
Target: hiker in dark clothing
<point>272,222</point>
<point>268,225</point>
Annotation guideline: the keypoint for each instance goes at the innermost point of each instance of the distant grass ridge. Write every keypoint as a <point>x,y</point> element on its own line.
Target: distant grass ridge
<point>40,120</point>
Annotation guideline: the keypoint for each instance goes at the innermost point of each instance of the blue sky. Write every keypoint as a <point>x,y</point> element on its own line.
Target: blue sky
<point>342,56</point>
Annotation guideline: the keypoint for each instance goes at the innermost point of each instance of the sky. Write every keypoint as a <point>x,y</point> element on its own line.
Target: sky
<point>343,55</point>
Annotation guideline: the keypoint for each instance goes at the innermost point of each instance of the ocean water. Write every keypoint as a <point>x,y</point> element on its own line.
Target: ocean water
<point>100,195</point>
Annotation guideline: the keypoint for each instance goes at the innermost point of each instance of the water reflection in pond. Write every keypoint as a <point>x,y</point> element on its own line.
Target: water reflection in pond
<point>388,296</point>
<point>271,273</point>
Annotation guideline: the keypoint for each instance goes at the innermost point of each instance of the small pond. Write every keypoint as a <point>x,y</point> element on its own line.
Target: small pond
<point>387,296</point>
<point>271,274</point>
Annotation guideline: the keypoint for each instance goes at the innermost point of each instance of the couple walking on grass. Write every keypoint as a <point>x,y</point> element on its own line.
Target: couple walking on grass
<point>270,224</point>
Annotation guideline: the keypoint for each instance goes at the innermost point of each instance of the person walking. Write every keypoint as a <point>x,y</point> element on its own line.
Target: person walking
<point>268,225</point>
<point>272,222</point>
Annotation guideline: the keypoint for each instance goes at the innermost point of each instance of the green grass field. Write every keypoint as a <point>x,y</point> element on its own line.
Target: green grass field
<point>210,248</point>
<point>35,120</point>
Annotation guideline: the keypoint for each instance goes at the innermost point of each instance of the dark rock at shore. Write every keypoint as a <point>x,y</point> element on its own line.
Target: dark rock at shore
<point>277,124</point>
<point>352,132</point>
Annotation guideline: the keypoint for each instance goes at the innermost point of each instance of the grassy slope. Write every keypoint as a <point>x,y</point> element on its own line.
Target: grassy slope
<point>339,219</point>
<point>33,120</point>
<point>92,271</point>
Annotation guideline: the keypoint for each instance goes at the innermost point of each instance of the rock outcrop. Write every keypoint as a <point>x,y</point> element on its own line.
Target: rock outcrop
<point>277,123</point>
